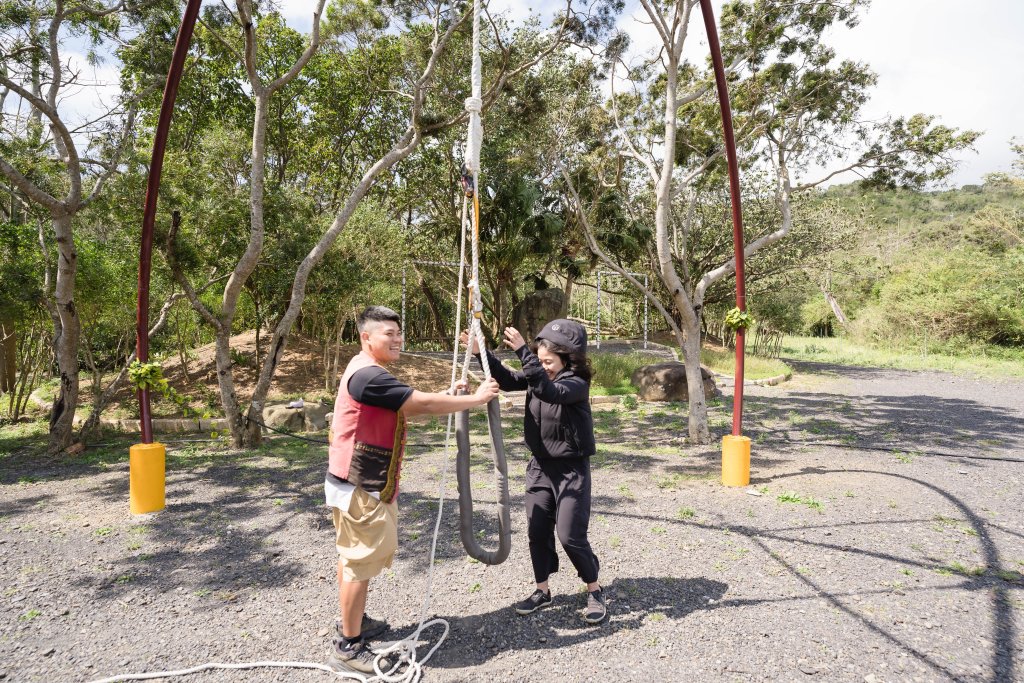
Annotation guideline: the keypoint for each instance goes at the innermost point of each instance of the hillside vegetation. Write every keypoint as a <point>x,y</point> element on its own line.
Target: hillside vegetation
<point>924,272</point>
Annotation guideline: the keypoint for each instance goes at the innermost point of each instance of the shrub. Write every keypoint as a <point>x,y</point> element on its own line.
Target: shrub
<point>952,297</point>
<point>612,371</point>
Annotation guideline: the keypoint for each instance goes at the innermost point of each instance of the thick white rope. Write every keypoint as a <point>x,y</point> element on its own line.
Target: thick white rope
<point>474,104</point>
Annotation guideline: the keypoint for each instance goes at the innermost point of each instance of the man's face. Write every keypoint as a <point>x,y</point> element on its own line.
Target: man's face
<point>382,340</point>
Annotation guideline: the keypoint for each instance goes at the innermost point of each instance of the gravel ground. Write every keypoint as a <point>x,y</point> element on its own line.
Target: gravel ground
<point>884,544</point>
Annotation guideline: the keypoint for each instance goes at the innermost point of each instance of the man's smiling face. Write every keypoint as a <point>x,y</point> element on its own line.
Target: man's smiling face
<point>382,340</point>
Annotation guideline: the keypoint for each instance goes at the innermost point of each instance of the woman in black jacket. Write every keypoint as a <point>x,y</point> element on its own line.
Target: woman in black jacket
<point>559,432</point>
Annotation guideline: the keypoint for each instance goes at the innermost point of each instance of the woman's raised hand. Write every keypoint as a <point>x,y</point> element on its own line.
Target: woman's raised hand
<point>514,339</point>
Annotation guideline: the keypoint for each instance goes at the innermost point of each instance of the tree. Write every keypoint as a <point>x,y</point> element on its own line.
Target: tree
<point>265,81</point>
<point>430,28</point>
<point>60,165</point>
<point>793,106</point>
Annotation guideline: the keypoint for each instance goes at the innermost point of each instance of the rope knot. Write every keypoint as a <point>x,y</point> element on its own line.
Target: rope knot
<point>474,105</point>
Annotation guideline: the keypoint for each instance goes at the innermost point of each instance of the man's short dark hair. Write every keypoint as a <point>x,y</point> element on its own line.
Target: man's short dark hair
<point>376,314</point>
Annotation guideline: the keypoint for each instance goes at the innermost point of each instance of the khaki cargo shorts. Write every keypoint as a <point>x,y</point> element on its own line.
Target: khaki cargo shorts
<point>366,535</point>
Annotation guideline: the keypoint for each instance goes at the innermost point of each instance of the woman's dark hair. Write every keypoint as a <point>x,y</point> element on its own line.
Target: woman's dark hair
<point>576,361</point>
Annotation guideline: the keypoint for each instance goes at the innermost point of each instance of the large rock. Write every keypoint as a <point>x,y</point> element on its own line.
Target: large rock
<point>280,416</point>
<point>536,309</point>
<point>667,382</point>
<point>314,416</point>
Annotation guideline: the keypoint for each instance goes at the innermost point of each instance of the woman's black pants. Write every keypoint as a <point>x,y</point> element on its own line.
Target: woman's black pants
<point>558,498</point>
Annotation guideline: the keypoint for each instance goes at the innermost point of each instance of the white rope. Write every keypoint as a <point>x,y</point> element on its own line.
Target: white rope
<point>474,103</point>
<point>458,300</point>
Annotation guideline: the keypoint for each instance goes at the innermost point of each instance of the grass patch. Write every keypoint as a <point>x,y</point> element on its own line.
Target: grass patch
<point>723,361</point>
<point>791,497</point>
<point>612,372</point>
<point>963,570</point>
<point>22,435</point>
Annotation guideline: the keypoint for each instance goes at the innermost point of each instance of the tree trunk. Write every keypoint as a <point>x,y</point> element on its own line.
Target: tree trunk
<point>8,356</point>
<point>332,378</point>
<point>695,384</point>
<point>226,383</point>
<point>435,310</point>
<point>399,151</point>
<point>567,290</point>
<point>34,358</point>
<point>182,350</point>
<point>66,337</point>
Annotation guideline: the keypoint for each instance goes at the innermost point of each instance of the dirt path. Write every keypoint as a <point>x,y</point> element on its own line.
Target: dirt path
<point>901,563</point>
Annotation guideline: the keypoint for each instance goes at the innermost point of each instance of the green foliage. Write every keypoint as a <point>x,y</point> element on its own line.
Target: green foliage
<point>951,297</point>
<point>147,376</point>
<point>791,497</point>
<point>150,376</point>
<point>736,319</point>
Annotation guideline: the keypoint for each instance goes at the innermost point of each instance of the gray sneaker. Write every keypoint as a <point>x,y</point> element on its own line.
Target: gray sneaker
<point>357,658</point>
<point>369,629</point>
<point>596,610</point>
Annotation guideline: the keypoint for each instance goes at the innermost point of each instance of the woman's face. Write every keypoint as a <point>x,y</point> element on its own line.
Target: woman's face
<point>551,362</point>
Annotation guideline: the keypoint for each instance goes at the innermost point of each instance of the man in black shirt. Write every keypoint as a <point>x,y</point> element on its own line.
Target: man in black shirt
<point>366,447</point>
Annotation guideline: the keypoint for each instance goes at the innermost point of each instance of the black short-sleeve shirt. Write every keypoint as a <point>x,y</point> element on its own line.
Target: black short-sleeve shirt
<point>377,387</point>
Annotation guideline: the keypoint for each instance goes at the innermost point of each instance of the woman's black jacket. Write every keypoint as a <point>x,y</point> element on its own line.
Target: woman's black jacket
<point>558,419</point>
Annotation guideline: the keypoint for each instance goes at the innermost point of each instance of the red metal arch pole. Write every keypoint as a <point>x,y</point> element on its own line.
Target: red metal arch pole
<point>156,164</point>
<point>734,194</point>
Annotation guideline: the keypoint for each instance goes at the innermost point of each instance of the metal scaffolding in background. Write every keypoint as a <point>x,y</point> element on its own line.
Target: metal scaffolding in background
<point>609,272</point>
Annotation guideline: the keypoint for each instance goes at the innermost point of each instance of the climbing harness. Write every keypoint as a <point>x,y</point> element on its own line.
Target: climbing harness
<point>470,179</point>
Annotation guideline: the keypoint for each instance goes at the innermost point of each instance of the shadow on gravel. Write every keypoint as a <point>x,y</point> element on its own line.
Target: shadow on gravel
<point>217,533</point>
<point>13,508</point>
<point>876,421</point>
<point>1003,630</point>
<point>849,371</point>
<point>1003,633</point>
<point>478,638</point>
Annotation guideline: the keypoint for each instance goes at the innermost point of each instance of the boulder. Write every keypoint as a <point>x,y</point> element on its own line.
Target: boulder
<point>536,309</point>
<point>667,382</point>
<point>314,416</point>
<point>280,416</point>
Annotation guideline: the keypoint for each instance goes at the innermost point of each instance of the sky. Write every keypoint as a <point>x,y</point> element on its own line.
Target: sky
<point>961,61</point>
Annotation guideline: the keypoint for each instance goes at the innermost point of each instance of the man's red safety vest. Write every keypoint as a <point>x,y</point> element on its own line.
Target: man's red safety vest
<point>367,442</point>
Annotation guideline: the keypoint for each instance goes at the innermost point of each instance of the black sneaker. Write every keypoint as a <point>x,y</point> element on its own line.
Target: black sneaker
<point>369,629</point>
<point>596,609</point>
<point>534,602</point>
<point>356,658</point>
